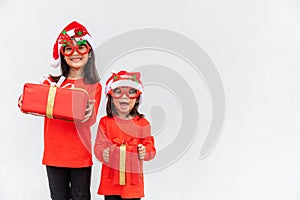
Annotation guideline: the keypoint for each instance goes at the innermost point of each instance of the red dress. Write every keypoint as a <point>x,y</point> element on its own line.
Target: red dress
<point>68,143</point>
<point>112,133</point>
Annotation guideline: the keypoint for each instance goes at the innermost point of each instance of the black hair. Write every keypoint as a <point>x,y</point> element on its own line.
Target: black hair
<point>90,74</point>
<point>111,110</point>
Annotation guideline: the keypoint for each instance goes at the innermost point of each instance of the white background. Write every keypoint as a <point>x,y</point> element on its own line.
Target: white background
<point>255,46</point>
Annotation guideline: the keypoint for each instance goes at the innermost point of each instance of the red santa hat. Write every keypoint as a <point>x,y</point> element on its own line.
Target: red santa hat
<point>125,79</point>
<point>72,31</point>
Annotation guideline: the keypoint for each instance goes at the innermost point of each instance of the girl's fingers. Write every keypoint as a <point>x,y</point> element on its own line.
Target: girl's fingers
<point>89,110</point>
<point>20,100</point>
<point>141,147</point>
<point>106,154</point>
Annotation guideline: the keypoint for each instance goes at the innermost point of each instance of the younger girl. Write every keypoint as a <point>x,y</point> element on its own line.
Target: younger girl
<point>67,144</point>
<point>123,140</point>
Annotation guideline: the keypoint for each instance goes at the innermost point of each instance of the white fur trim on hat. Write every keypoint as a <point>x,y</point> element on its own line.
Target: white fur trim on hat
<point>126,83</point>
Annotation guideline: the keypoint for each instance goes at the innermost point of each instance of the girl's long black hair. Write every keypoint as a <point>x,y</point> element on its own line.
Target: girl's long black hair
<point>111,110</point>
<point>90,75</point>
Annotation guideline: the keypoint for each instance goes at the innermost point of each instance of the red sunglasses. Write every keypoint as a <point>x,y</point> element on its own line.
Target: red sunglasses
<point>118,92</point>
<point>69,49</point>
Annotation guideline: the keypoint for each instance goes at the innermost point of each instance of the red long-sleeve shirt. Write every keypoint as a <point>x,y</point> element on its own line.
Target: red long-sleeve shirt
<point>68,143</point>
<point>111,133</point>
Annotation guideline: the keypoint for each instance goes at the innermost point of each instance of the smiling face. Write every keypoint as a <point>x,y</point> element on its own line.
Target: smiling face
<point>123,104</point>
<point>76,56</point>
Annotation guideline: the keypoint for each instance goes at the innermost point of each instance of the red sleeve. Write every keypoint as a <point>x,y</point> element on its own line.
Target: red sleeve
<point>97,98</point>
<point>101,141</point>
<point>46,82</point>
<point>148,142</point>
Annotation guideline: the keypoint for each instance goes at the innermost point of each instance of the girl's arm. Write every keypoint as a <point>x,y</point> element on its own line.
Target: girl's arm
<point>101,142</point>
<point>148,142</point>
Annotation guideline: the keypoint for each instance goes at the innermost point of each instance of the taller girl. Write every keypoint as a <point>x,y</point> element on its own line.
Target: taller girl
<point>67,144</point>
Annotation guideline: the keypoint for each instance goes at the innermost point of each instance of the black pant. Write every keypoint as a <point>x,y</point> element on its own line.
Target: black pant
<point>69,183</point>
<point>116,197</point>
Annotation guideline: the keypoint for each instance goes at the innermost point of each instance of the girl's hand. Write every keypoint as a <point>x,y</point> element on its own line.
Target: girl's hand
<point>89,110</point>
<point>142,151</point>
<point>106,154</point>
<point>20,101</point>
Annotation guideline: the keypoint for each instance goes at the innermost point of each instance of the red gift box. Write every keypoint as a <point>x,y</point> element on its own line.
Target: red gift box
<point>54,102</point>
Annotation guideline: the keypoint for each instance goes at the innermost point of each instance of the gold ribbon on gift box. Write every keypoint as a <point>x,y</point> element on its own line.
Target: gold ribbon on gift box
<point>122,163</point>
<point>50,101</point>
